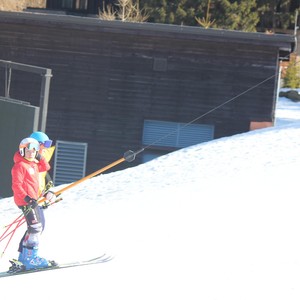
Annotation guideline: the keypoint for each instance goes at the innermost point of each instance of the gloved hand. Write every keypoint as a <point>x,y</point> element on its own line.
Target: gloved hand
<point>50,196</point>
<point>38,156</point>
<point>33,203</point>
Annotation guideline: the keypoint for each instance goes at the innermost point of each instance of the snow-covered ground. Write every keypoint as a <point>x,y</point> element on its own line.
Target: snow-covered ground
<point>215,221</point>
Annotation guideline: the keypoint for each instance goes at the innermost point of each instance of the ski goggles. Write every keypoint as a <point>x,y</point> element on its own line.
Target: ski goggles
<point>31,146</point>
<point>46,144</point>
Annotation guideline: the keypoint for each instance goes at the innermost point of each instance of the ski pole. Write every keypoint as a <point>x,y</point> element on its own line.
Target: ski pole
<point>46,205</point>
<point>48,186</point>
<point>20,222</point>
<point>3,236</point>
<point>129,156</point>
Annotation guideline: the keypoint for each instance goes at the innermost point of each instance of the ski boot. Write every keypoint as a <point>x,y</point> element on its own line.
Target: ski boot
<point>29,258</point>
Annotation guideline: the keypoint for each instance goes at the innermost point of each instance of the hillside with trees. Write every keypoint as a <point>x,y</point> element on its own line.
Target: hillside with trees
<point>245,15</point>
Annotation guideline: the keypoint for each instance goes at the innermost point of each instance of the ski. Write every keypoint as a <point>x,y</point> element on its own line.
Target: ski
<point>17,267</point>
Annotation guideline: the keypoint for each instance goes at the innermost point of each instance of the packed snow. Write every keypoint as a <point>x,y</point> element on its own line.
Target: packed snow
<point>215,221</point>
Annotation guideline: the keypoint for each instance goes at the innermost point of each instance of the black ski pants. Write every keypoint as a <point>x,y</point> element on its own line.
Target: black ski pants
<point>35,220</point>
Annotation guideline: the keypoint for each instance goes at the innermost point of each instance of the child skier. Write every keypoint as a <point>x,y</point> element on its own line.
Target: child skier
<point>28,163</point>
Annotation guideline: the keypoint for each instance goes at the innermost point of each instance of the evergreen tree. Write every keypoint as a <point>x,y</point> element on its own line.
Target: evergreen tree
<point>277,13</point>
<point>180,12</point>
<point>236,15</point>
<point>244,15</point>
<point>292,75</point>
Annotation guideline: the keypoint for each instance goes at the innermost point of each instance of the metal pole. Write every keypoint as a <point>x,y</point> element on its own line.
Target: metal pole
<point>44,99</point>
<point>7,81</point>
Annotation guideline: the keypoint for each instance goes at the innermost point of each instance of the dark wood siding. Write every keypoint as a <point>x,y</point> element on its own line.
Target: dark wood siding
<point>108,77</point>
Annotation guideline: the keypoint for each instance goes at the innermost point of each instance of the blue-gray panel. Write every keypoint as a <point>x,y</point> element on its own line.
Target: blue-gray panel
<point>178,135</point>
<point>194,134</point>
<point>70,162</point>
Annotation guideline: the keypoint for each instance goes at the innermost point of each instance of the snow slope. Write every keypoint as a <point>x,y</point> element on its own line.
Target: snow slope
<point>215,221</point>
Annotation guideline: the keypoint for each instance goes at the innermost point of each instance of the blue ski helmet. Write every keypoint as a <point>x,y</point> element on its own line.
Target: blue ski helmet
<point>42,138</point>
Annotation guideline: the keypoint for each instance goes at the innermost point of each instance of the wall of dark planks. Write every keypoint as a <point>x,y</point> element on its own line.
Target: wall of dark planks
<point>108,77</point>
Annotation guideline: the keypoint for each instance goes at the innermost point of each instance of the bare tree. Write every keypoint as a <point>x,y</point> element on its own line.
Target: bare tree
<point>108,13</point>
<point>127,11</point>
<point>205,22</point>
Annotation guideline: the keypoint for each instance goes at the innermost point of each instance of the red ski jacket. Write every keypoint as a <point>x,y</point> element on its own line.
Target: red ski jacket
<point>25,178</point>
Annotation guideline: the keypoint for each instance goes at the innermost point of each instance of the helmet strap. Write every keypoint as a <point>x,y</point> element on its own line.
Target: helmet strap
<point>22,151</point>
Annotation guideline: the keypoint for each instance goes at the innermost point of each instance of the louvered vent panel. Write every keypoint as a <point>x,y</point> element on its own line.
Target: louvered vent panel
<point>159,132</point>
<point>179,135</point>
<point>70,162</point>
<point>193,134</point>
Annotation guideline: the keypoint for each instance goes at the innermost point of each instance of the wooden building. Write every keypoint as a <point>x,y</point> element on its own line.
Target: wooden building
<point>118,86</point>
<point>84,7</point>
